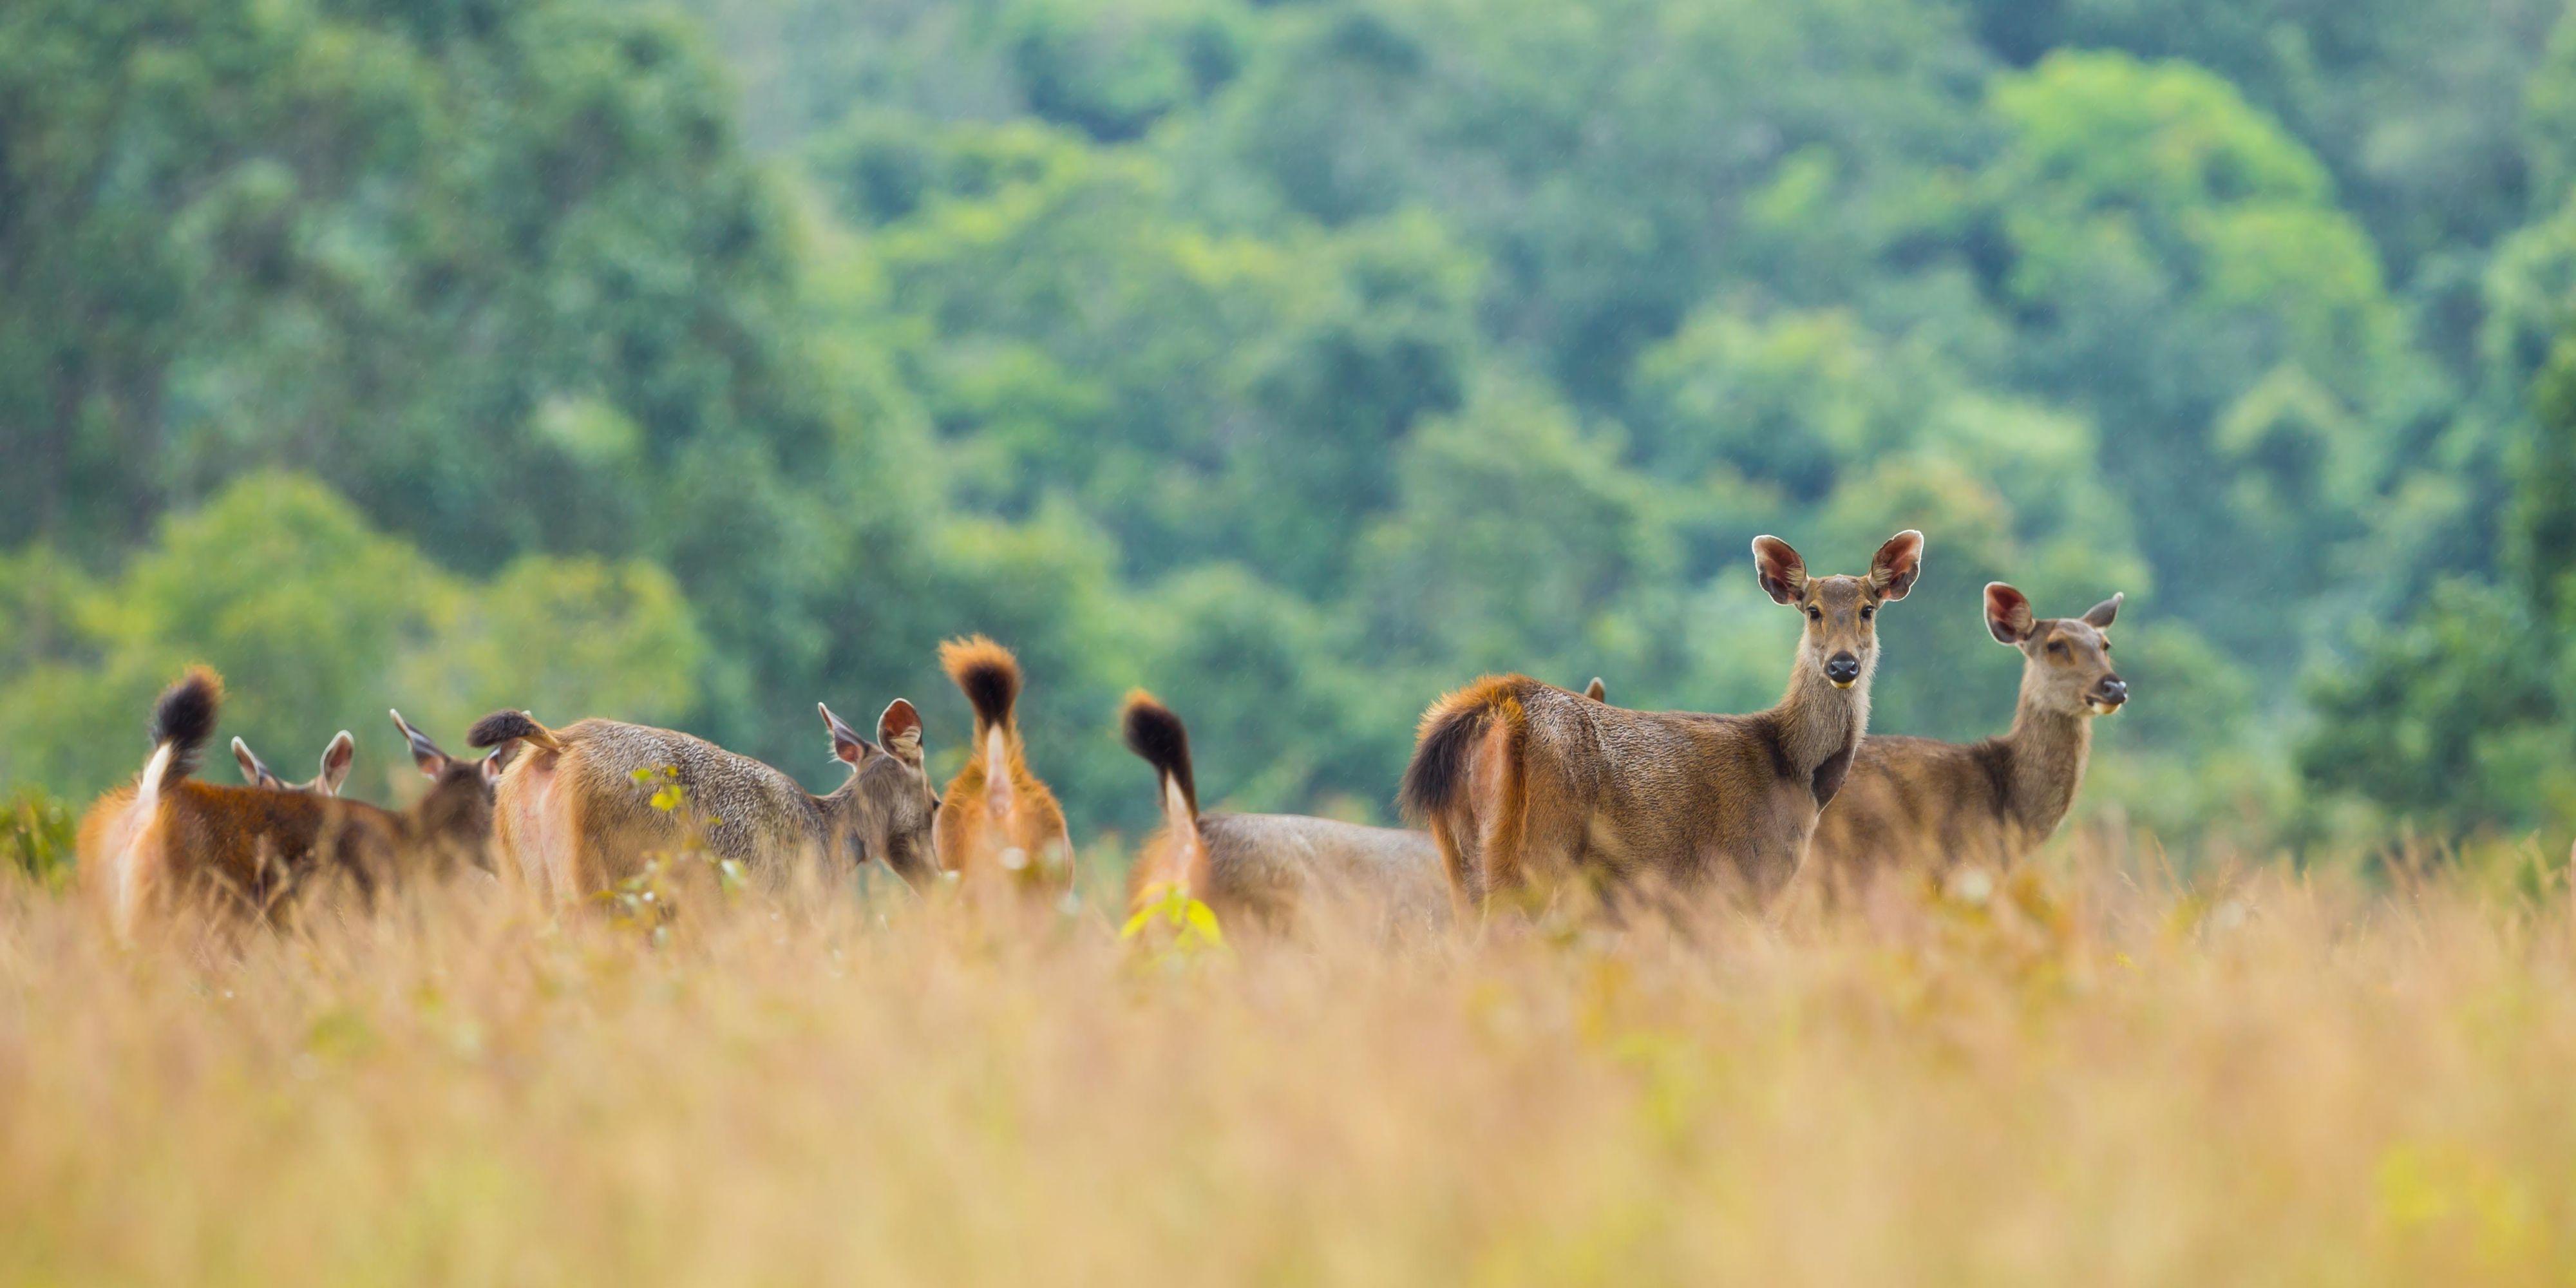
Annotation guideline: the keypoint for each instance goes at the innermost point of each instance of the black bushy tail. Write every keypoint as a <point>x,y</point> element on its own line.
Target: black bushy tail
<point>988,675</point>
<point>183,721</point>
<point>511,726</point>
<point>1158,736</point>
<point>1446,747</point>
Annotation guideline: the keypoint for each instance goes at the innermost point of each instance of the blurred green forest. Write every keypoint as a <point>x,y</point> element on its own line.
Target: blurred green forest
<point>1298,361</point>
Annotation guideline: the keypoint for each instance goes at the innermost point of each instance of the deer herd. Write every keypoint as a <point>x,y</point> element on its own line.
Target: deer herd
<point>1526,795</point>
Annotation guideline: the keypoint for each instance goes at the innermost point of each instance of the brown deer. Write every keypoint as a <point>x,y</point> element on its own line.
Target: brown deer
<point>1916,802</point>
<point>571,818</point>
<point>1524,784</point>
<point>336,760</point>
<point>997,822</point>
<point>167,842</point>
<point>1280,872</point>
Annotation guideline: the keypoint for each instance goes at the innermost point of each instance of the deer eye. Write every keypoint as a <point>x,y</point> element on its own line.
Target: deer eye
<point>2057,648</point>
<point>1815,614</point>
<point>1867,612</point>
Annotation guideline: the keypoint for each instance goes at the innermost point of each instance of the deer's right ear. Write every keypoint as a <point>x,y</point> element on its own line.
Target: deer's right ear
<point>1597,691</point>
<point>2008,614</point>
<point>253,772</point>
<point>900,730</point>
<point>847,745</point>
<point>424,753</point>
<point>1783,574</point>
<point>336,759</point>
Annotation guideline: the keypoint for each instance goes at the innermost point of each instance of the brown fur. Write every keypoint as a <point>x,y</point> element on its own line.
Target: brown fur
<point>1524,785</point>
<point>1280,873</point>
<point>254,853</point>
<point>571,819</point>
<point>998,823</point>
<point>1920,804</point>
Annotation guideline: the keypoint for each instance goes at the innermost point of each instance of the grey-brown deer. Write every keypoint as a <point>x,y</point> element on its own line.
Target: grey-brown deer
<point>1524,785</point>
<point>1282,873</point>
<point>571,818</point>
<point>1913,803</point>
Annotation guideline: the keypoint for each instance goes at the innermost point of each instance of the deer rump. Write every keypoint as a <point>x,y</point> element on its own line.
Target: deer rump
<point>574,818</point>
<point>1522,783</point>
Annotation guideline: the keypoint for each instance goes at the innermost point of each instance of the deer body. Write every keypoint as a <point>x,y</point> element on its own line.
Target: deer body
<point>168,841</point>
<point>1524,784</point>
<point>1280,872</point>
<point>997,821</point>
<point>1922,803</point>
<point>571,817</point>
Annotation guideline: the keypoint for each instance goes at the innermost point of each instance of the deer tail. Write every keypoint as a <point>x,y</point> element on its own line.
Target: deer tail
<point>1157,735</point>
<point>183,721</point>
<point>502,727</point>
<point>988,675</point>
<point>1437,783</point>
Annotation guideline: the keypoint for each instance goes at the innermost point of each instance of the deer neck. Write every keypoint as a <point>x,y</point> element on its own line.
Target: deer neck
<point>2045,752</point>
<point>1819,724</point>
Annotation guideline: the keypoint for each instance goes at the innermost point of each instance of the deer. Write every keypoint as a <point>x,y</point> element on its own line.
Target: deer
<point>1524,785</point>
<point>337,757</point>
<point>168,842</point>
<point>997,821</point>
<point>1279,872</point>
<point>1923,803</point>
<point>571,819</point>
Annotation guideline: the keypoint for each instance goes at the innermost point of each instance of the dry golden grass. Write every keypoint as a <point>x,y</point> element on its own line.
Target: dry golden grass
<point>2088,1075</point>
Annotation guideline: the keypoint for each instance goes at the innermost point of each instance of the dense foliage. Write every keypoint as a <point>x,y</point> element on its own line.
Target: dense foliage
<point>1298,361</point>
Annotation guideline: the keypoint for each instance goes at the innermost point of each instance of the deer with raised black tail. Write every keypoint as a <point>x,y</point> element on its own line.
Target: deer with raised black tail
<point>1920,803</point>
<point>169,843</point>
<point>1525,785</point>
<point>1280,872</point>
<point>998,824</point>
<point>572,819</point>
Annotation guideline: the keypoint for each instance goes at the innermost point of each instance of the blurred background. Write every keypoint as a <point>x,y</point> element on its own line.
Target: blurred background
<point>1298,361</point>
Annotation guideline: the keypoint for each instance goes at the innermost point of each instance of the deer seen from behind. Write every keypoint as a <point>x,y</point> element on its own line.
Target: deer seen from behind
<point>1525,786</point>
<point>998,827</point>
<point>574,813</point>
<point>1284,873</point>
<point>168,843</point>
<point>1917,803</point>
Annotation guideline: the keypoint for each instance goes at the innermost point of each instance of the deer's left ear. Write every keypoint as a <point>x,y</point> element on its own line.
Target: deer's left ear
<point>424,753</point>
<point>847,746</point>
<point>336,759</point>
<point>2100,615</point>
<point>253,772</point>
<point>1893,569</point>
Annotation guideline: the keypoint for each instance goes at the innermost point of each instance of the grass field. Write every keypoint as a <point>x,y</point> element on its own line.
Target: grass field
<point>2093,1073</point>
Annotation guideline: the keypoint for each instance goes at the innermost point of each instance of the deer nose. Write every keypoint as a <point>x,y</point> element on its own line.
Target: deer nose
<point>2115,690</point>
<point>1842,668</point>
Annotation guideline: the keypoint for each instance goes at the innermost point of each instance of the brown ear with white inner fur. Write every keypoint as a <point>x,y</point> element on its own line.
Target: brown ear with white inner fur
<point>900,730</point>
<point>847,746</point>
<point>2099,616</point>
<point>1893,569</point>
<point>1777,566</point>
<point>2008,614</point>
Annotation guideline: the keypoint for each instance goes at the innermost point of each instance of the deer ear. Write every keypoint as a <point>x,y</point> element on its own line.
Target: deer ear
<point>2008,614</point>
<point>900,730</point>
<point>493,763</point>
<point>424,753</point>
<point>336,759</point>
<point>1597,691</point>
<point>1892,570</point>
<point>253,772</point>
<point>2100,615</point>
<point>847,745</point>
<point>1782,573</point>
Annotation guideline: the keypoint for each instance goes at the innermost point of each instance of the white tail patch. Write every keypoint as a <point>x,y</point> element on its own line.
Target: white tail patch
<point>1182,830</point>
<point>130,844</point>
<point>997,774</point>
